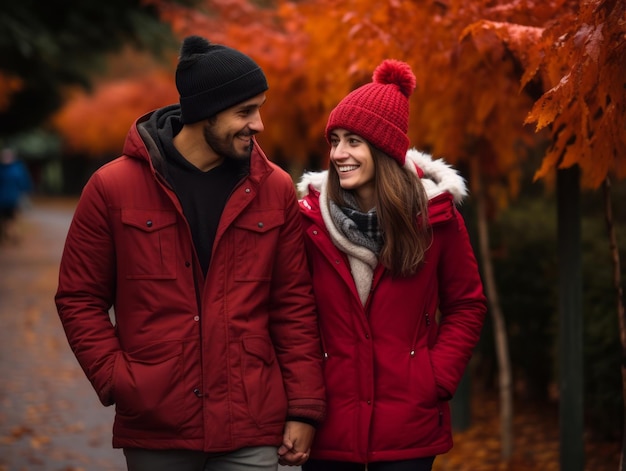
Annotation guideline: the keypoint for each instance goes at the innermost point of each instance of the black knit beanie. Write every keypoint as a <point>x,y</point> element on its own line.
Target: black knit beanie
<point>211,78</point>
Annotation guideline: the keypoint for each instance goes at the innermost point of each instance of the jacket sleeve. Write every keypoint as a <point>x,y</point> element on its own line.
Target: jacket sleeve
<point>293,322</point>
<point>86,289</point>
<point>462,305</point>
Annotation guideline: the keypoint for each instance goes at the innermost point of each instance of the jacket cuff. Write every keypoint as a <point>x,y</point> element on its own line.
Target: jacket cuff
<point>306,420</point>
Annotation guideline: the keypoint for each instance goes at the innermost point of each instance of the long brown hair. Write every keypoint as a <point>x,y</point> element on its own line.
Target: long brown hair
<point>402,210</point>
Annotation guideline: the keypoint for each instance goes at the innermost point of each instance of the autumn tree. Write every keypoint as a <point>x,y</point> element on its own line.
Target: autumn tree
<point>95,124</point>
<point>580,62</point>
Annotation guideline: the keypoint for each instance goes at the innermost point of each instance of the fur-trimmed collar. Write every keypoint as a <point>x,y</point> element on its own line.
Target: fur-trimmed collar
<point>438,177</point>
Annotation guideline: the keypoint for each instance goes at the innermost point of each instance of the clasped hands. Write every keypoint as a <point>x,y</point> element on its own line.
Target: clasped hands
<point>296,446</point>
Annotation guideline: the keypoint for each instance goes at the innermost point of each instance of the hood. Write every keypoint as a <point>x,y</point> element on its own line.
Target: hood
<point>142,141</point>
<point>436,175</point>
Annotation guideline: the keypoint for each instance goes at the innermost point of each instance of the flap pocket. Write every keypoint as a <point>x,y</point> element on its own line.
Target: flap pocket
<point>156,353</point>
<point>148,220</point>
<point>259,347</point>
<point>260,221</point>
<point>147,245</point>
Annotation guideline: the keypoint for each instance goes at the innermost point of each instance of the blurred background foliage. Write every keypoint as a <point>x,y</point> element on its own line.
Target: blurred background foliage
<point>525,259</point>
<point>48,50</point>
<point>46,46</point>
<point>524,253</point>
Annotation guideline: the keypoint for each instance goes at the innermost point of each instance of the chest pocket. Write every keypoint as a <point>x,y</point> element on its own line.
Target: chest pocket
<point>255,236</point>
<point>147,249</point>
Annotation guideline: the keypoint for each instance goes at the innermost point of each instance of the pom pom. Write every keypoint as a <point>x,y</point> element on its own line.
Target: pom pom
<point>194,45</point>
<point>395,72</point>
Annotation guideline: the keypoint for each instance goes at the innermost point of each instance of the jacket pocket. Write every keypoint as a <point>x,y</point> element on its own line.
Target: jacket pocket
<point>423,378</point>
<point>147,249</point>
<point>147,388</point>
<point>263,382</point>
<point>255,237</point>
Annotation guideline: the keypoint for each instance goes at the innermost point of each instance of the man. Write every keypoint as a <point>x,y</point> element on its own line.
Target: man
<point>193,237</point>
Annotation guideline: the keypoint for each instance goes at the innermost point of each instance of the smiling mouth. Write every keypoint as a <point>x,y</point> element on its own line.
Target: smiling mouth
<point>347,168</point>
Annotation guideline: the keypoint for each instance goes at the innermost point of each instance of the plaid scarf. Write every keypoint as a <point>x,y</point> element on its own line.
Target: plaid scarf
<point>359,228</point>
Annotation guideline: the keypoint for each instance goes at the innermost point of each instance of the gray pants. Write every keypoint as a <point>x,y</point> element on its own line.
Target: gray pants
<point>261,458</point>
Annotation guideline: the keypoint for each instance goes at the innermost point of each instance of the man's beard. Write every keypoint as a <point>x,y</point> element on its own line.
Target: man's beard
<point>225,148</point>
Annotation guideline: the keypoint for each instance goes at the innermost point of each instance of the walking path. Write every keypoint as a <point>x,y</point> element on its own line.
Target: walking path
<point>50,417</point>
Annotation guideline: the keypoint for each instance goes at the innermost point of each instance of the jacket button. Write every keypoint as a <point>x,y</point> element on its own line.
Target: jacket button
<point>412,353</point>
<point>196,318</point>
<point>197,392</point>
<point>149,223</point>
<point>187,264</point>
<point>260,224</point>
<point>314,232</point>
<point>247,190</point>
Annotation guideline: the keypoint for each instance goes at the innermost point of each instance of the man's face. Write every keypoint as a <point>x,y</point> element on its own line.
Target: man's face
<point>230,132</point>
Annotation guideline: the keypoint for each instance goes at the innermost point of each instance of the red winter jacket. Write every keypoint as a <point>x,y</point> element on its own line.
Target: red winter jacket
<point>211,364</point>
<point>390,367</point>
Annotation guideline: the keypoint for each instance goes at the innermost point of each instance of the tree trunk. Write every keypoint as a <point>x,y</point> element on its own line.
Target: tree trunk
<point>619,293</point>
<point>505,375</point>
<point>571,374</point>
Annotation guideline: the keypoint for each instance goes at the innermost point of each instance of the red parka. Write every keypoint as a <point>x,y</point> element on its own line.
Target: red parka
<point>392,364</point>
<point>211,364</point>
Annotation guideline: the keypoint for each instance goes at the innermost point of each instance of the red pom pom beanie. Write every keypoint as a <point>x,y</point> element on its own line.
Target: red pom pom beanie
<point>379,111</point>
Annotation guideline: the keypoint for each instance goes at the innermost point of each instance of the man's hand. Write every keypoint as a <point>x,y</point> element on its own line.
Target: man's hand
<point>297,441</point>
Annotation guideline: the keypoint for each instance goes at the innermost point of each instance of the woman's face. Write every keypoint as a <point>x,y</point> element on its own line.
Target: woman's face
<point>352,158</point>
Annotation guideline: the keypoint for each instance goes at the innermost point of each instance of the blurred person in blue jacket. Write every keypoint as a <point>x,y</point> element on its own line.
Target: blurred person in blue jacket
<point>15,185</point>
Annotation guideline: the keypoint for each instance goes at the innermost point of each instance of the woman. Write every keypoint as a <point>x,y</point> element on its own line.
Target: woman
<point>399,295</point>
